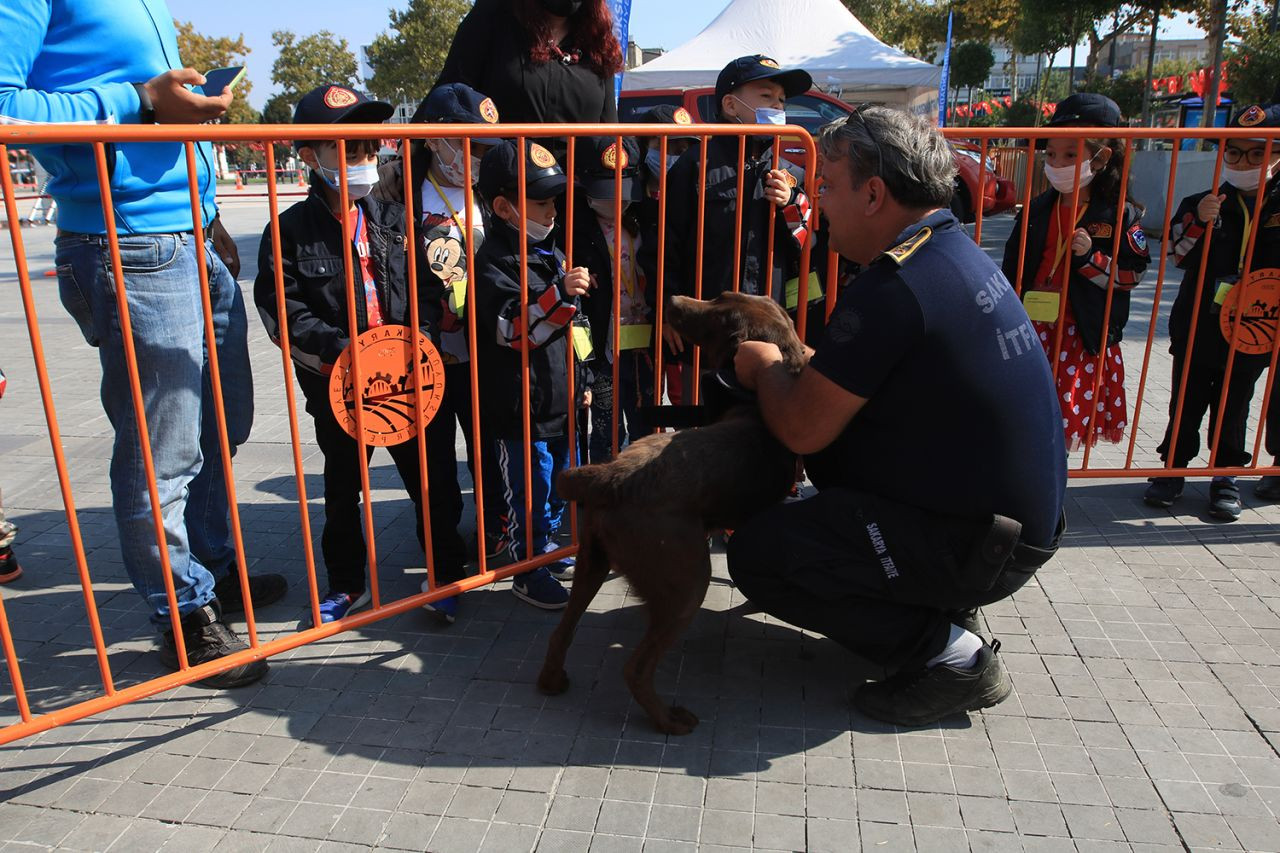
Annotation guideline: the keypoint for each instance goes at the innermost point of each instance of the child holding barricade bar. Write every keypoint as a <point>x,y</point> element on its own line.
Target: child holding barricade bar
<point>313,254</point>
<point>1075,254</point>
<point>553,319</point>
<point>1231,210</point>
<point>750,90</point>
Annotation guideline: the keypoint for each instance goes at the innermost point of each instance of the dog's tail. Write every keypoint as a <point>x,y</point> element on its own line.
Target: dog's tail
<point>589,484</point>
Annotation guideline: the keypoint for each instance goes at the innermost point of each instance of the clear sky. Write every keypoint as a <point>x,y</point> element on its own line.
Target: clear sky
<point>654,23</point>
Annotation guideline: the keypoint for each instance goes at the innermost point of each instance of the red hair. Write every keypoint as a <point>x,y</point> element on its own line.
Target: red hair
<point>590,31</point>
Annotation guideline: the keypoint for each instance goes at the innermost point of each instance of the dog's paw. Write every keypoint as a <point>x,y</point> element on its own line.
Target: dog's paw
<point>679,721</point>
<point>553,683</point>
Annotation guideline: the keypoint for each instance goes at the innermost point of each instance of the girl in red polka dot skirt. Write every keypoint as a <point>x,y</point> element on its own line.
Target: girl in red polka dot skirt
<point>1071,248</point>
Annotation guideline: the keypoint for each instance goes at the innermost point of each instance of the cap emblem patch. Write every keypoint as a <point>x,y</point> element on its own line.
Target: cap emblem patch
<point>489,111</point>
<point>541,157</point>
<point>337,98</point>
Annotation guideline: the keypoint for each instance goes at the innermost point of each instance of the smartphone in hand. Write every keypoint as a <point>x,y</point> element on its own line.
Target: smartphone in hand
<point>220,78</point>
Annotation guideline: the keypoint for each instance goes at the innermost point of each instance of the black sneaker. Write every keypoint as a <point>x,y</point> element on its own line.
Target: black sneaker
<point>208,638</point>
<point>1224,500</point>
<point>1268,488</point>
<point>264,590</point>
<point>1163,491</point>
<point>924,696</point>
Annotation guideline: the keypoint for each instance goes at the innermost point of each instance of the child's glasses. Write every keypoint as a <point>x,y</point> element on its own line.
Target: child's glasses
<point>1234,156</point>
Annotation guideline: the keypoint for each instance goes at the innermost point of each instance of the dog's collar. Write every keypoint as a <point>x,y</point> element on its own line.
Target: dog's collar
<point>721,390</point>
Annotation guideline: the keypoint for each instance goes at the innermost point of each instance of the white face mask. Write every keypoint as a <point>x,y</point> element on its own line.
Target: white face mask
<point>360,178</point>
<point>603,207</point>
<point>536,231</point>
<point>1062,178</point>
<point>1242,179</point>
<point>763,115</point>
<point>452,171</point>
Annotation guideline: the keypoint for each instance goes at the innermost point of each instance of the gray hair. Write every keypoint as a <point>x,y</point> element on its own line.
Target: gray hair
<point>908,154</point>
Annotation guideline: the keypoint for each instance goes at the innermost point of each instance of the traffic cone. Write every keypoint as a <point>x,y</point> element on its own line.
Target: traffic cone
<point>302,178</point>
<point>239,183</point>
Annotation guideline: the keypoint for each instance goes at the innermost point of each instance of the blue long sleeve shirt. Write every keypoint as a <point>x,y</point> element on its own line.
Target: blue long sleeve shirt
<point>77,61</point>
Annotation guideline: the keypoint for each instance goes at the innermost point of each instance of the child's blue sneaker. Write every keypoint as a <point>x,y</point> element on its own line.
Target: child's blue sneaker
<point>562,569</point>
<point>445,608</point>
<point>540,589</point>
<point>336,605</point>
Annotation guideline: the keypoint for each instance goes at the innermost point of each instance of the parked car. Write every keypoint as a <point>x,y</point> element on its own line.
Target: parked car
<point>811,111</point>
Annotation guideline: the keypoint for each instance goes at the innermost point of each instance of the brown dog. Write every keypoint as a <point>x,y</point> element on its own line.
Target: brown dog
<point>647,513</point>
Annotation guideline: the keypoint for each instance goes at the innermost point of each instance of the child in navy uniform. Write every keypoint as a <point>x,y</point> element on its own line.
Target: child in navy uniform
<point>553,307</point>
<point>312,252</point>
<point>749,90</point>
<point>1231,210</point>
<point>595,239</point>
<point>1076,255</point>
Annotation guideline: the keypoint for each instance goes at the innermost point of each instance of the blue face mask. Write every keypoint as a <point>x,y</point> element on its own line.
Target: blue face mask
<point>653,160</point>
<point>766,115</point>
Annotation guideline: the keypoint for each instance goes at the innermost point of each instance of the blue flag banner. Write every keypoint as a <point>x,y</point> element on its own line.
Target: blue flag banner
<point>621,10</point>
<point>945,83</point>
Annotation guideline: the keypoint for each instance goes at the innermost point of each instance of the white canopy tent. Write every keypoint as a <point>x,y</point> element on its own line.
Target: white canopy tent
<point>820,36</point>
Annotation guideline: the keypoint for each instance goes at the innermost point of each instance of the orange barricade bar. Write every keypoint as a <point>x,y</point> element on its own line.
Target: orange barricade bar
<point>1127,461</point>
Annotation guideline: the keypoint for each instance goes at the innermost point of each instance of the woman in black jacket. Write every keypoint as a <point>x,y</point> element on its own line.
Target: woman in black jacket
<point>542,61</point>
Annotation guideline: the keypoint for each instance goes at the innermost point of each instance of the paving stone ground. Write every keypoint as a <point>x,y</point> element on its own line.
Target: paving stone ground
<point>1146,714</point>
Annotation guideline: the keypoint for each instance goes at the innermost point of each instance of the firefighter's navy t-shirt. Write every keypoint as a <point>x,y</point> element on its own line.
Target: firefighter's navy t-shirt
<point>961,415</point>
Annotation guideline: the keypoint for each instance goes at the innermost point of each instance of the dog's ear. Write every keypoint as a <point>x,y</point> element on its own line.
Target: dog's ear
<point>693,318</point>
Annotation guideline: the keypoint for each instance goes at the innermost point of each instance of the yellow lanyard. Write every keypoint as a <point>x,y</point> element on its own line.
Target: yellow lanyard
<point>629,268</point>
<point>1244,237</point>
<point>460,220</point>
<point>1062,244</point>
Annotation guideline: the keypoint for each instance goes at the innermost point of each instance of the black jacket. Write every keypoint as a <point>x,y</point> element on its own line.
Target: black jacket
<point>551,313</point>
<point>1186,244</point>
<point>490,53</point>
<point>315,290</point>
<point>591,250</point>
<point>1090,273</point>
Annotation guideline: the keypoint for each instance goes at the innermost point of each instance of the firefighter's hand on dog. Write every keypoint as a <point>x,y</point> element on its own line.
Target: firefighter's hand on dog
<point>752,358</point>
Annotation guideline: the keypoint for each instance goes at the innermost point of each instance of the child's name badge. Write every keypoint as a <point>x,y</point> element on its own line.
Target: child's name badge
<point>637,336</point>
<point>1042,305</point>
<point>1220,296</point>
<point>458,297</point>
<point>582,342</point>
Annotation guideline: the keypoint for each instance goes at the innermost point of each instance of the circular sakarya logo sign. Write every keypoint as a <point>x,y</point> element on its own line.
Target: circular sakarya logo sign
<point>392,376</point>
<point>1257,301</point>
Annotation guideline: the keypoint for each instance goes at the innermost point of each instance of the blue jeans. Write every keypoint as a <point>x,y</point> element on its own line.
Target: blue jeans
<point>162,283</point>
<point>549,457</point>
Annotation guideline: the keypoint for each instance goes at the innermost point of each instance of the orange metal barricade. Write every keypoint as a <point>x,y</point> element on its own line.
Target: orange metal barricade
<point>33,719</point>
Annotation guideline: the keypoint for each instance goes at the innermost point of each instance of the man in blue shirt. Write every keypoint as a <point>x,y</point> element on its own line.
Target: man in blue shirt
<point>929,424</point>
<point>89,61</point>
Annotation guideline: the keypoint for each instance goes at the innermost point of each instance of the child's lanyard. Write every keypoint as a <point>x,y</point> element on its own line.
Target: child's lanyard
<point>1063,244</point>
<point>460,221</point>
<point>1244,237</point>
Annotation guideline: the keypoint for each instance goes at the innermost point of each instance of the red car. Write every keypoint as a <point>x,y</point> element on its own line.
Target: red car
<point>811,111</point>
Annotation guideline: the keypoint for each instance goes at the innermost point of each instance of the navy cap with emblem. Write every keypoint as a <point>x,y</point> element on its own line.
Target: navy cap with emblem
<point>667,114</point>
<point>748,69</point>
<point>1086,109</point>
<point>1257,115</point>
<point>500,172</point>
<point>595,161</point>
<point>458,103</point>
<point>339,105</point>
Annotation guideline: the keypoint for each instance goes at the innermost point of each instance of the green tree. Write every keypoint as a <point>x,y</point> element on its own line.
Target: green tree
<point>278,110</point>
<point>407,62</point>
<point>971,63</point>
<point>1022,113</point>
<point>1253,65</point>
<point>205,53</point>
<point>315,60</point>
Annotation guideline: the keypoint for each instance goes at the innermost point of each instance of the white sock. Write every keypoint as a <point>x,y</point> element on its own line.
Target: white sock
<point>961,650</point>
